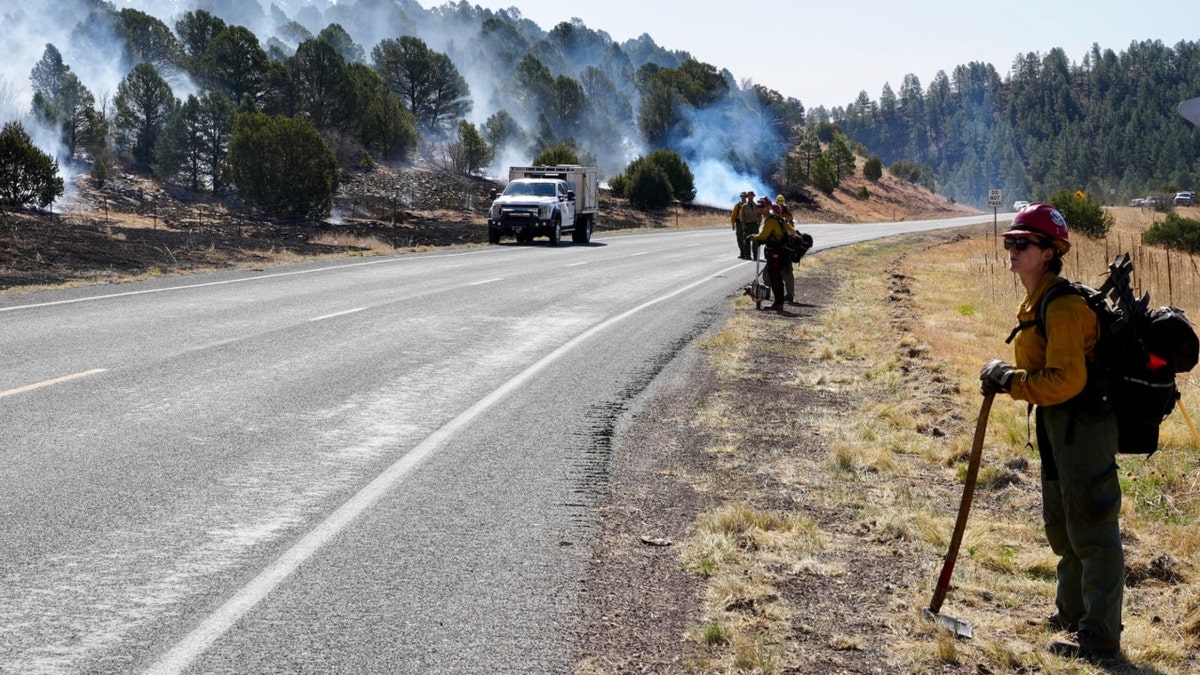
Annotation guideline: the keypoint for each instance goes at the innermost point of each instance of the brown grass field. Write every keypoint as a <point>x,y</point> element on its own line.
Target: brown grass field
<point>901,344</point>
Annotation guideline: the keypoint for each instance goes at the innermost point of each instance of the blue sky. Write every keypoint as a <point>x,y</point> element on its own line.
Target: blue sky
<point>824,53</point>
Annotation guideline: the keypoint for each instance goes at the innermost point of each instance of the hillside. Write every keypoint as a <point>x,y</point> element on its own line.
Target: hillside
<point>132,227</point>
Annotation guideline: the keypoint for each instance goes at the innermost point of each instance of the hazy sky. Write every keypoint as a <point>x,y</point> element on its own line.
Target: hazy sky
<point>824,53</point>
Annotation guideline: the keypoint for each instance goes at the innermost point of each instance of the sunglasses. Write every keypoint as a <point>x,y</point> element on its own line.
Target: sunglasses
<point>1020,243</point>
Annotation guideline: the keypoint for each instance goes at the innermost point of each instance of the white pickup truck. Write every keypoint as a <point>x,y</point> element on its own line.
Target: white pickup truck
<point>545,201</point>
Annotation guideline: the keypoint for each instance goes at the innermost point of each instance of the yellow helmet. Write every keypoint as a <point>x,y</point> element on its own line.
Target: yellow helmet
<point>779,199</point>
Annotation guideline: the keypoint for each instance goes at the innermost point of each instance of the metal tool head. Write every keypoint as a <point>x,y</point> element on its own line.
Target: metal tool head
<point>961,629</point>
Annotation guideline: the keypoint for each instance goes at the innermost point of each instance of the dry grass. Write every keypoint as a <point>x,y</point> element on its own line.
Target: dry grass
<point>914,366</point>
<point>365,244</point>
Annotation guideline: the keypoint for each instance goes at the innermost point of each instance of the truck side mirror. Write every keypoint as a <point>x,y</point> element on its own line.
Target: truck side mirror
<point>570,195</point>
<point>494,193</point>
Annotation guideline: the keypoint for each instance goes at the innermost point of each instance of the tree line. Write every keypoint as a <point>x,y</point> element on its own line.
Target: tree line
<point>271,130</point>
<point>1107,125</point>
<point>570,86</point>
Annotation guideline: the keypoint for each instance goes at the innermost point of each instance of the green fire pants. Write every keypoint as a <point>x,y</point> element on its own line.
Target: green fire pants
<point>1081,501</point>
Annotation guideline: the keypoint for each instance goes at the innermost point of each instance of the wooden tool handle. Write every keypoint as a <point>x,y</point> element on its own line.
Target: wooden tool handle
<point>964,507</point>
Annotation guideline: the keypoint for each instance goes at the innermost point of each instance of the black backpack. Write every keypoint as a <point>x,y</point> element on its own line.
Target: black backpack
<point>1138,354</point>
<point>796,245</point>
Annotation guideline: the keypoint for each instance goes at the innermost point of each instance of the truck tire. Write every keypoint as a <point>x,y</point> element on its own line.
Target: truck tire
<point>583,230</point>
<point>556,230</point>
<point>493,236</point>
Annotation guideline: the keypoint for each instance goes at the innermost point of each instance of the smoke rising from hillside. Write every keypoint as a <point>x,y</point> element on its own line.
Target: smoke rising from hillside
<point>712,144</point>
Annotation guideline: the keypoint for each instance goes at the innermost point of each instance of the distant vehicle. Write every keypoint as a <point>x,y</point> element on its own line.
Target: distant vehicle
<point>1186,198</point>
<point>1020,204</point>
<point>546,201</point>
<point>1137,201</point>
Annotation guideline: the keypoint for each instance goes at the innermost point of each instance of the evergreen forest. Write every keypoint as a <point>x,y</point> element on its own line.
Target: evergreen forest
<point>1107,125</point>
<point>196,96</point>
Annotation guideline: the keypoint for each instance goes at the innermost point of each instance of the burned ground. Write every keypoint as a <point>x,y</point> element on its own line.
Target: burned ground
<point>131,227</point>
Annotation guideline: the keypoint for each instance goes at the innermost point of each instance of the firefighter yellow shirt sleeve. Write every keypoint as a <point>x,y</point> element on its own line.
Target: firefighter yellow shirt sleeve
<point>1052,369</point>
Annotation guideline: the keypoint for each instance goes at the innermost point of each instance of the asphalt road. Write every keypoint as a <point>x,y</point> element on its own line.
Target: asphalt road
<point>381,465</point>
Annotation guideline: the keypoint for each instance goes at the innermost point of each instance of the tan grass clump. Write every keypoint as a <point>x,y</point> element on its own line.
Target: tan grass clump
<point>352,241</point>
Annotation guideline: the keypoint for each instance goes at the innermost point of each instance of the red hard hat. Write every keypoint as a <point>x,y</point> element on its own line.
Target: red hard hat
<point>1042,219</point>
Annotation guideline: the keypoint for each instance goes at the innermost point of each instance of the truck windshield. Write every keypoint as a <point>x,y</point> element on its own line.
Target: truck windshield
<point>530,189</point>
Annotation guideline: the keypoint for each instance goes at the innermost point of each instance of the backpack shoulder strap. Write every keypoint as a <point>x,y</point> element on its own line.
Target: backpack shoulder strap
<point>1056,291</point>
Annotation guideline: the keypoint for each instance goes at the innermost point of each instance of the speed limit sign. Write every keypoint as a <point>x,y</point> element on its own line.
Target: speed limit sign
<point>995,197</point>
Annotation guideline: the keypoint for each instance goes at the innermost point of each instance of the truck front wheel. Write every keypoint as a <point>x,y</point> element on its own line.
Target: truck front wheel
<point>556,231</point>
<point>493,236</point>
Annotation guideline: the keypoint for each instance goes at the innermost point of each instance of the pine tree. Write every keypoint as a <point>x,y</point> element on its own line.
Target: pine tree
<point>27,175</point>
<point>282,166</point>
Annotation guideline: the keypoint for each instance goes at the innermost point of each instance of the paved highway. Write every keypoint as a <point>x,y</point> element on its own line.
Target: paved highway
<point>380,465</point>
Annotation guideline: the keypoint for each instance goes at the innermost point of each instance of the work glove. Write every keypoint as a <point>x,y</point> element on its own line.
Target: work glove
<point>995,377</point>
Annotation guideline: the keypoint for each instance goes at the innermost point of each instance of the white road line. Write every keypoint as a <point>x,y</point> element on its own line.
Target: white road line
<point>585,262</point>
<point>48,383</point>
<point>486,281</point>
<point>634,255</point>
<point>212,627</point>
<point>336,314</point>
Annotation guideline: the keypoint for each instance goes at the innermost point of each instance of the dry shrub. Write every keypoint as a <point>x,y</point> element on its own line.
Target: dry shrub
<point>343,240</point>
<point>740,519</point>
<point>752,655</point>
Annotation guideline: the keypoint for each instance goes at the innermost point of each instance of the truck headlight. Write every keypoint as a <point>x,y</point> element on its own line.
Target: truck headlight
<point>544,212</point>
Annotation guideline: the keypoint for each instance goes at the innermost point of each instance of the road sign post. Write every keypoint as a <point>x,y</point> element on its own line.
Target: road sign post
<point>995,199</point>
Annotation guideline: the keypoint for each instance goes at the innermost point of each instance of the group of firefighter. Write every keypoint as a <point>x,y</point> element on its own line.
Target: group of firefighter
<point>760,225</point>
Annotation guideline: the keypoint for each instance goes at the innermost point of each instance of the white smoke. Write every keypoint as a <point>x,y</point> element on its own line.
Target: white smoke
<point>718,184</point>
<point>95,54</point>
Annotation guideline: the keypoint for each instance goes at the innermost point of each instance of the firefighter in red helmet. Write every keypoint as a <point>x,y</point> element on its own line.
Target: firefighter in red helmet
<point>1081,492</point>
